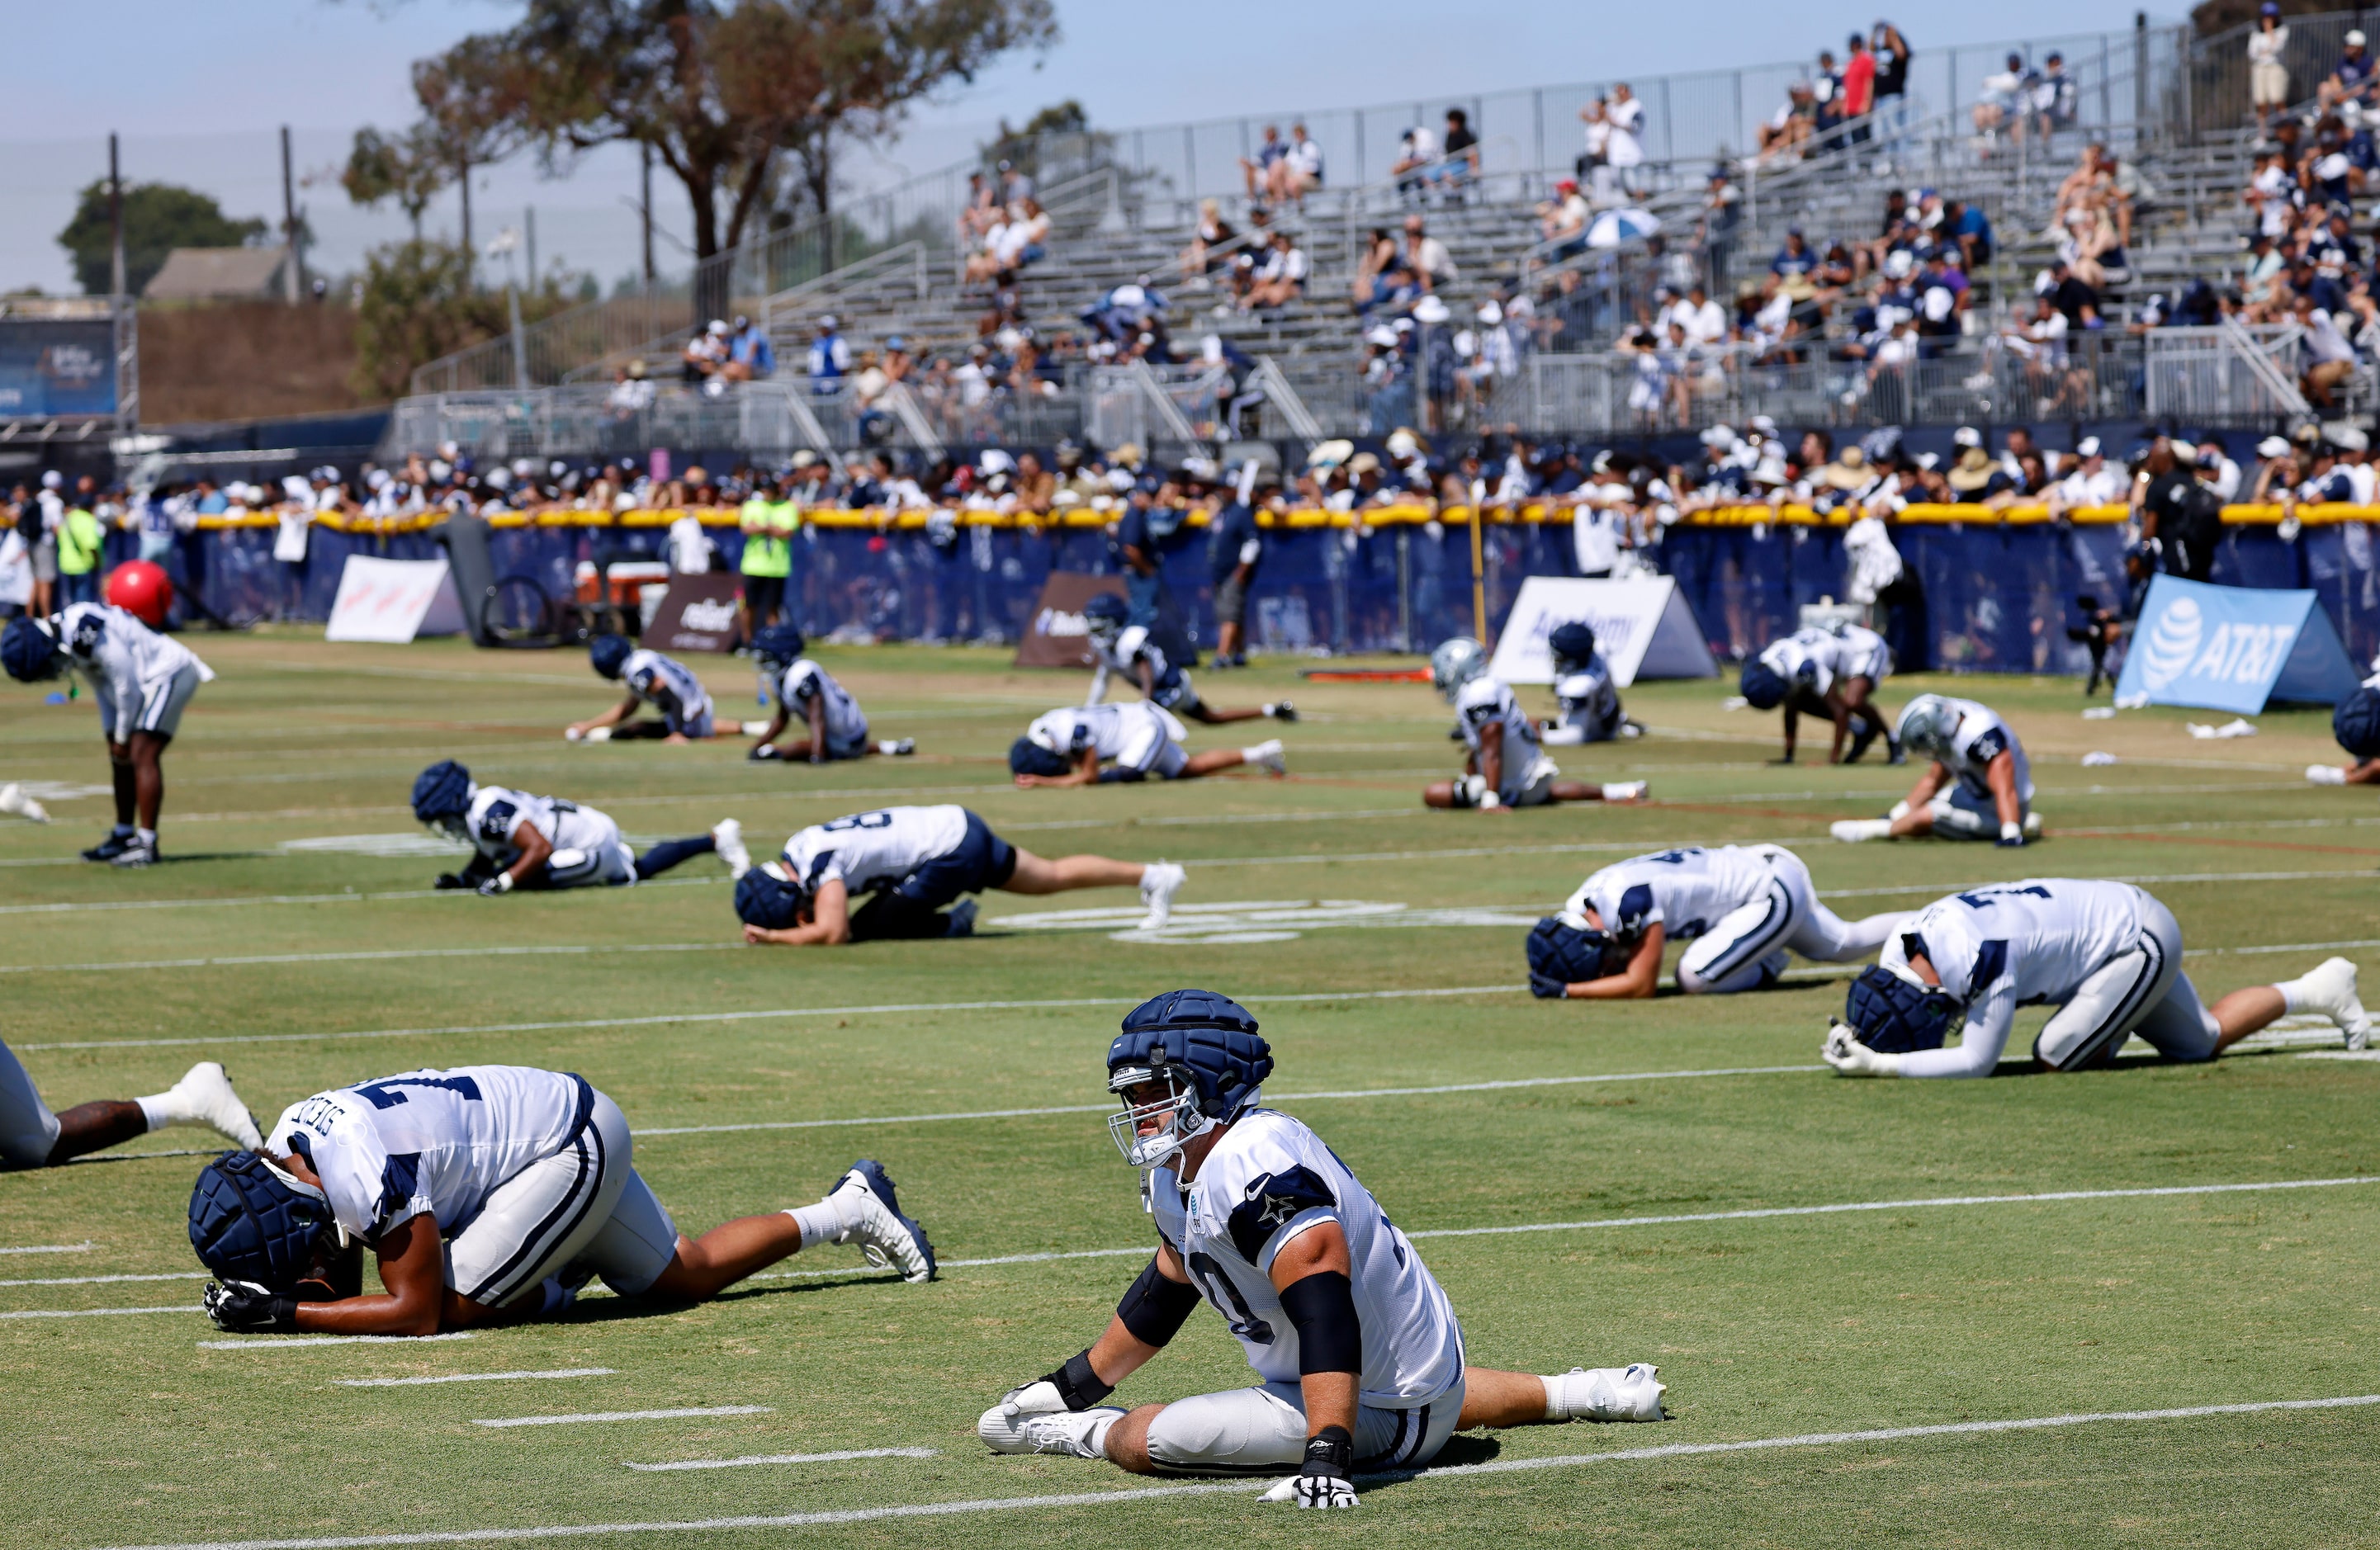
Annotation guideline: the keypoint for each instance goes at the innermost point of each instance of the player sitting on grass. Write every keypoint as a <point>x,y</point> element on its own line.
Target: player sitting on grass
<point>2106,954</point>
<point>2355,722</point>
<point>1090,744</point>
<point>1743,907</point>
<point>1582,688</point>
<point>544,841</point>
<point>30,1137</point>
<point>489,1194</point>
<point>1128,650</point>
<point>838,728</point>
<point>1829,672</point>
<point>1359,1355</point>
<point>1978,784</point>
<point>914,861</point>
<point>142,681</point>
<point>663,682</point>
<point>1504,767</point>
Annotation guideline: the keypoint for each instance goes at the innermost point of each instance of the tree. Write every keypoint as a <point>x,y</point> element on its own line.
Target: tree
<point>1055,144</point>
<point>407,167</point>
<point>419,304</point>
<point>158,218</point>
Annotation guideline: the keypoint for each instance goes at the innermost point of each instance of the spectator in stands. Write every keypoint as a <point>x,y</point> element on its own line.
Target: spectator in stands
<point>1722,213</point>
<point>631,393</point>
<point>1562,221</point>
<point>1785,134</point>
<point>2069,294</point>
<point>1891,51</point>
<point>1594,166</point>
<point>982,206</point>
<point>1300,170</point>
<point>1260,172</point>
<point>2268,76</point>
<point>1281,278</point>
<point>1827,86</point>
<point>1461,165</point>
<point>2350,80</point>
<point>829,355</point>
<point>1859,85</point>
<point>2000,105</point>
<point>2328,356</point>
<point>1427,256</point>
<point>1234,546</point>
<point>705,354</point>
<point>1208,238</point>
<point>1625,150</point>
<point>1975,477</point>
<point>1380,255</point>
<point>750,355</point>
<point>2091,248</point>
<point>2056,98</point>
<point>2089,483</point>
<point>1794,261</point>
<point>1015,185</point>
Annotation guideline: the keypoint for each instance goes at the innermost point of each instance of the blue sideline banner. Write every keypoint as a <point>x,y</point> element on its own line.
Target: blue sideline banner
<point>2232,648</point>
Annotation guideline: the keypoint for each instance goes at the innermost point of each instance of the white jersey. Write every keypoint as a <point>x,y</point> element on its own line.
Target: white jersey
<point>1265,1182</point>
<point>433,1143</point>
<point>1820,654</point>
<point>123,659</point>
<point>1982,737</point>
<point>1685,892</point>
<point>1132,647</point>
<point>1110,728</point>
<point>648,673</point>
<point>869,850</point>
<point>2007,945</point>
<point>1486,699</point>
<point>1589,701</point>
<point>497,814</point>
<point>806,681</point>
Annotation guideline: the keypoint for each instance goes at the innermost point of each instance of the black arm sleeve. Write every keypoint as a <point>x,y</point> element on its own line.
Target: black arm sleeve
<point>1116,772</point>
<point>1154,1308</point>
<point>1321,1307</point>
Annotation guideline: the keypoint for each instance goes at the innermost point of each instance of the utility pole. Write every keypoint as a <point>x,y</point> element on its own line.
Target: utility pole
<point>470,254</point>
<point>115,222</point>
<point>291,279</point>
<point>126,330</point>
<point>645,209</point>
<point>529,229</point>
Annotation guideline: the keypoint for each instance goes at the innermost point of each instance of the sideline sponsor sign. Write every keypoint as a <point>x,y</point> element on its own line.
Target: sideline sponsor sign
<point>2233,648</point>
<point>697,613</point>
<point>1642,628</point>
<point>391,601</point>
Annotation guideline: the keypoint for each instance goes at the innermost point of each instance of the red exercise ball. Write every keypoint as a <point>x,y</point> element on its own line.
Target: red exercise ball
<point>142,589</point>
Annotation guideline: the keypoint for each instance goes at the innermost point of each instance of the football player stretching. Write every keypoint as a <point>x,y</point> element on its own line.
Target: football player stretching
<point>912,863</point>
<point>30,1137</point>
<point>1742,906</point>
<point>1093,745</point>
<point>2106,954</point>
<point>1358,1354</point>
<point>1830,671</point>
<point>1504,767</point>
<point>838,728</point>
<point>1127,650</point>
<point>2355,722</point>
<point>487,1194</point>
<point>544,841</point>
<point>1978,785</point>
<point>663,682</point>
<point>1589,701</point>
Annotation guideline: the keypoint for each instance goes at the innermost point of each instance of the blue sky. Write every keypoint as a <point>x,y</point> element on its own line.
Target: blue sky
<point>199,90</point>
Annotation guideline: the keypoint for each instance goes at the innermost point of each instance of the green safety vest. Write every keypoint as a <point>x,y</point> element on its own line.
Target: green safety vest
<point>771,550</point>
<point>80,538</point>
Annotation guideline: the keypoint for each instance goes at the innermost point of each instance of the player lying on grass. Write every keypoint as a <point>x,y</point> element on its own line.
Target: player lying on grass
<point>1125,649</point>
<point>1978,786</point>
<point>487,1194</point>
<point>1358,1354</point>
<point>663,682</point>
<point>2107,955</point>
<point>1091,744</point>
<point>30,1137</point>
<point>1829,672</point>
<point>142,681</point>
<point>1589,701</point>
<point>1742,906</point>
<point>1504,767</point>
<point>912,862</point>
<point>837,727</point>
<point>2355,722</point>
<point>544,841</point>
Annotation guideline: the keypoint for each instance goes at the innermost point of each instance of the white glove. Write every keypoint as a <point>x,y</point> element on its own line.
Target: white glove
<point>1321,1491</point>
<point>2325,775</point>
<point>1471,790</point>
<point>1249,550</point>
<point>1002,1426</point>
<point>1850,1058</point>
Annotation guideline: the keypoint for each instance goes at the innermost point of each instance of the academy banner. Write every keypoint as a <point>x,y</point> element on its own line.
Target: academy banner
<point>1642,628</point>
<point>392,601</point>
<point>2232,648</point>
<point>1057,635</point>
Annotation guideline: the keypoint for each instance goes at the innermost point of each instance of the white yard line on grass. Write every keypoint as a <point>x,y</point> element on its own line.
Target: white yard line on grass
<point>402,956</point>
<point>628,1415</point>
<point>105,1281</point>
<point>476,1377</point>
<point>1130,1495</point>
<point>81,1248</point>
<point>105,1312</point>
<point>791,1458</point>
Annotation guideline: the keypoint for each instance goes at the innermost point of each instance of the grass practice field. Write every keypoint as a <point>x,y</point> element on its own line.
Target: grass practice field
<point>1678,1182</point>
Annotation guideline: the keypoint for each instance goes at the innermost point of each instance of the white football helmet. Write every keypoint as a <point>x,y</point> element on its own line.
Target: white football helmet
<point>1927,724</point>
<point>1455,663</point>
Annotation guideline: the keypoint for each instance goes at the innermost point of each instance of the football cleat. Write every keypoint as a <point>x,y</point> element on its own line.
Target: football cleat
<point>14,800</point>
<point>1002,1426</point>
<point>205,1094</point>
<point>1281,711</point>
<point>1268,757</point>
<point>1626,790</point>
<point>886,1238</point>
<point>2329,988</point>
<point>1160,881</point>
<point>1862,741</point>
<point>902,747</point>
<point>962,919</point>
<point>118,841</point>
<point>135,855</point>
<point>727,834</point>
<point>1853,832</point>
<point>1083,1434</point>
<point>1895,753</point>
<point>1630,1393</point>
<point>2320,774</point>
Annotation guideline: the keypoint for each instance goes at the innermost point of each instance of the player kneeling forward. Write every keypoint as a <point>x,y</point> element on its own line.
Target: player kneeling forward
<point>1358,1351</point>
<point>2356,724</point>
<point>1743,907</point>
<point>544,841</point>
<point>489,1193</point>
<point>1504,767</point>
<point>2107,955</point>
<point>1127,650</point>
<point>1829,672</point>
<point>914,861</point>
<point>663,682</point>
<point>838,728</point>
<point>30,1137</point>
<point>1582,688</point>
<point>1978,784</point>
<point>1091,744</point>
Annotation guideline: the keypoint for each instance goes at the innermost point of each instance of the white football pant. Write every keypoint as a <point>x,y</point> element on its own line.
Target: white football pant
<point>1262,1431</point>
<point>1730,956</point>
<point>2141,991</point>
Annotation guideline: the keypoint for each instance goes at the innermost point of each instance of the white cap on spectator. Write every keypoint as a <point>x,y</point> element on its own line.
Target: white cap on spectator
<point>1402,442</point>
<point>1490,314</point>
<point>2273,447</point>
<point>1763,424</point>
<point>1380,334</point>
<point>1430,310</point>
<point>995,461</point>
<point>1967,436</point>
<point>2355,38</point>
<point>52,479</point>
<point>1719,436</point>
<point>2087,447</point>
<point>2349,438</point>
